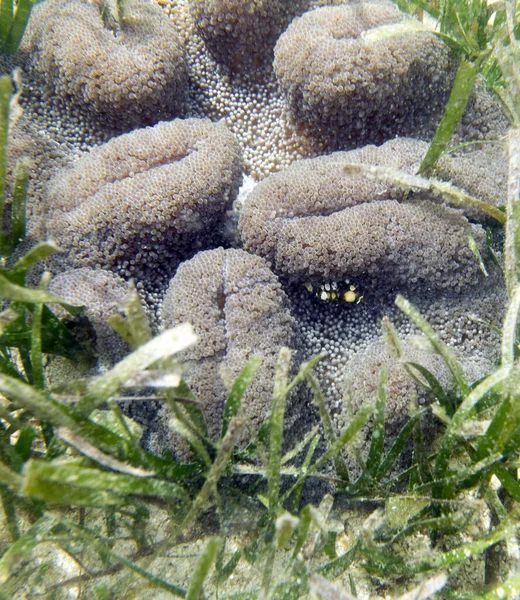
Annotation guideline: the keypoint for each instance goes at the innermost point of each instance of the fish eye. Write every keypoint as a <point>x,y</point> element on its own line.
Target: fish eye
<point>350,296</point>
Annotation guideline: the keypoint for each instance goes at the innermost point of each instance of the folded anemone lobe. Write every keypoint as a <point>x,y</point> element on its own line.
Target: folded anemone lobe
<point>238,309</point>
<point>313,221</point>
<point>132,71</point>
<point>146,200</point>
<point>362,66</point>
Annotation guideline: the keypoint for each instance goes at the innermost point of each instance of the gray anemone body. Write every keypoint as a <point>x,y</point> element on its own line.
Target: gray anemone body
<point>132,71</point>
<point>144,201</point>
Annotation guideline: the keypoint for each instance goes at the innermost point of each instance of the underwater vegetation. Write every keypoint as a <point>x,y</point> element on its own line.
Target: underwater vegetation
<point>260,282</point>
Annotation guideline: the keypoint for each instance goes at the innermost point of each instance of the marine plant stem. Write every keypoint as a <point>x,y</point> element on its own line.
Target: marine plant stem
<point>512,240</point>
<point>36,347</point>
<point>5,95</point>
<point>6,19</point>
<point>276,430</point>
<point>19,200</point>
<point>204,563</point>
<point>13,24</point>
<point>457,102</point>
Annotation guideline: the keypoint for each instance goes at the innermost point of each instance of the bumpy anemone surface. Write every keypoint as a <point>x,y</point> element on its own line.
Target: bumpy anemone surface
<point>101,229</point>
<point>362,66</point>
<point>238,308</point>
<point>250,103</point>
<point>463,320</point>
<point>240,33</point>
<point>132,72</point>
<point>312,221</point>
<point>147,199</point>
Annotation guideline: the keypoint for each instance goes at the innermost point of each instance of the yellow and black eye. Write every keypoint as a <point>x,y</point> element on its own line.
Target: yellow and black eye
<point>352,295</point>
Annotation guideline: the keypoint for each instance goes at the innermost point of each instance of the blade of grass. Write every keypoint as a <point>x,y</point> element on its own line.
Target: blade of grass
<point>234,399</point>
<point>113,7</point>
<point>377,441</point>
<point>235,429</point>
<point>204,563</point>
<point>392,341</point>
<point>58,340</point>
<point>120,325</point>
<point>5,96</point>
<point>161,347</point>
<point>181,424</point>
<point>451,362</point>
<point>434,386</point>
<point>122,427</point>
<point>9,478</point>
<point>36,347</point>
<point>6,20</point>
<point>406,182</point>
<point>429,7</point>
<point>512,230</point>
<point>59,494</point>
<point>139,331</point>
<point>357,423</point>
<point>460,93</point>
<point>225,572</point>
<point>105,460</point>
<point>48,409</point>
<point>396,448</point>
<point>304,469</point>
<point>419,449</point>
<point>10,516</point>
<point>23,446</point>
<point>346,435</point>
<point>337,567</point>
<point>504,421</point>
<point>280,393</point>
<point>463,476</point>
<point>7,368</point>
<point>307,515</point>
<point>510,329</point>
<point>509,481</point>
<point>187,411</point>
<point>387,563</point>
<point>33,256</point>
<point>450,437</point>
<point>39,474</point>
<point>21,18</point>
<point>476,252</point>
<point>18,293</point>
<point>18,200</point>
<point>298,448</point>
<point>319,400</point>
<point>506,54</point>
<point>465,551</point>
<point>285,526</point>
